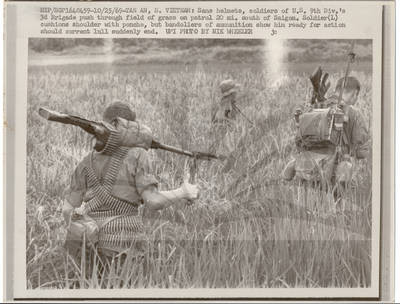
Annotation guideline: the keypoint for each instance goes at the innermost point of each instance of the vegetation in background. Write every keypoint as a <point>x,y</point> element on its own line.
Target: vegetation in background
<point>248,229</point>
<point>194,50</point>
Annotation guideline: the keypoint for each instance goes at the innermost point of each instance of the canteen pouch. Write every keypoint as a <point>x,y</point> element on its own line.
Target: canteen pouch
<point>313,166</point>
<point>84,226</point>
<point>316,129</point>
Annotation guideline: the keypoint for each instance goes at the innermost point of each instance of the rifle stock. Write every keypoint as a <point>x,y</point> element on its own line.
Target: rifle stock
<point>99,130</point>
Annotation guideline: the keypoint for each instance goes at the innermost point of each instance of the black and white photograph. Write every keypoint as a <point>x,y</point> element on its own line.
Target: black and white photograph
<point>210,163</point>
<point>208,150</point>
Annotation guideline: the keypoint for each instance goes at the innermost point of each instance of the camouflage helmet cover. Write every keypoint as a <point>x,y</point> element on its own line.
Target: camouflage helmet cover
<point>352,83</point>
<point>228,87</point>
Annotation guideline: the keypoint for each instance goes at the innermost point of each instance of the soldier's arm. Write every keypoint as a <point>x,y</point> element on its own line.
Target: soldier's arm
<point>146,185</point>
<point>223,112</point>
<point>75,192</point>
<point>363,150</point>
<point>157,200</point>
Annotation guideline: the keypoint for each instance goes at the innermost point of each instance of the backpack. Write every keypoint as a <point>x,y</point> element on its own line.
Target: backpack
<point>319,128</point>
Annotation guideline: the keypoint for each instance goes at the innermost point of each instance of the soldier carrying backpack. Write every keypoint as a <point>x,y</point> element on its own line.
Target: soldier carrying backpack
<point>330,134</point>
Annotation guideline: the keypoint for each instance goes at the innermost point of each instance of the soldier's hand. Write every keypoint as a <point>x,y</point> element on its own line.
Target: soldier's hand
<point>75,216</point>
<point>79,212</point>
<point>190,191</point>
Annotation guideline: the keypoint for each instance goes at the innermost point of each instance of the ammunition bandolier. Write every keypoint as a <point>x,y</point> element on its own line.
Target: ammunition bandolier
<point>118,220</point>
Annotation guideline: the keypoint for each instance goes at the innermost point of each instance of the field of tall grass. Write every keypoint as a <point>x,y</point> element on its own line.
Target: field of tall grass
<point>247,229</point>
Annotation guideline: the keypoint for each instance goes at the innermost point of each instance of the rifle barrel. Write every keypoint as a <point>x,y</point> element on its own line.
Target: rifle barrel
<point>199,155</point>
<point>157,145</point>
<point>237,109</point>
<point>346,75</point>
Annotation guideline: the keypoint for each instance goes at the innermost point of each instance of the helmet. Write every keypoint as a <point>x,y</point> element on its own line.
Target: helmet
<point>352,83</point>
<point>118,109</point>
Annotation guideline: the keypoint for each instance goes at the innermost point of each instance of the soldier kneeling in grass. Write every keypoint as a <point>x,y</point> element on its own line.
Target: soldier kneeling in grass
<point>329,136</point>
<point>108,187</point>
<point>228,130</point>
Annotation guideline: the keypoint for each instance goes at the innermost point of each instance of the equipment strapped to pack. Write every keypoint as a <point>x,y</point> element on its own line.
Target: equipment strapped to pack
<point>318,129</point>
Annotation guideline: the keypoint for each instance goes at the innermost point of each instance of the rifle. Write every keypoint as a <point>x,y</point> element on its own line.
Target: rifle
<point>140,135</point>
<point>340,105</point>
<point>193,154</point>
<point>100,131</point>
<point>240,112</point>
<point>352,56</point>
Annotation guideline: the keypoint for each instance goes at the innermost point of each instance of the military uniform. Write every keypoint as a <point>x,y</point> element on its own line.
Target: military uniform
<point>226,130</point>
<point>106,191</point>
<point>108,186</point>
<point>355,145</point>
<point>224,127</point>
<point>119,221</point>
<point>134,176</point>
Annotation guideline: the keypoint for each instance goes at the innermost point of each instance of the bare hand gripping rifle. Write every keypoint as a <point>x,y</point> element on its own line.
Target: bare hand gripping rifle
<point>131,133</point>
